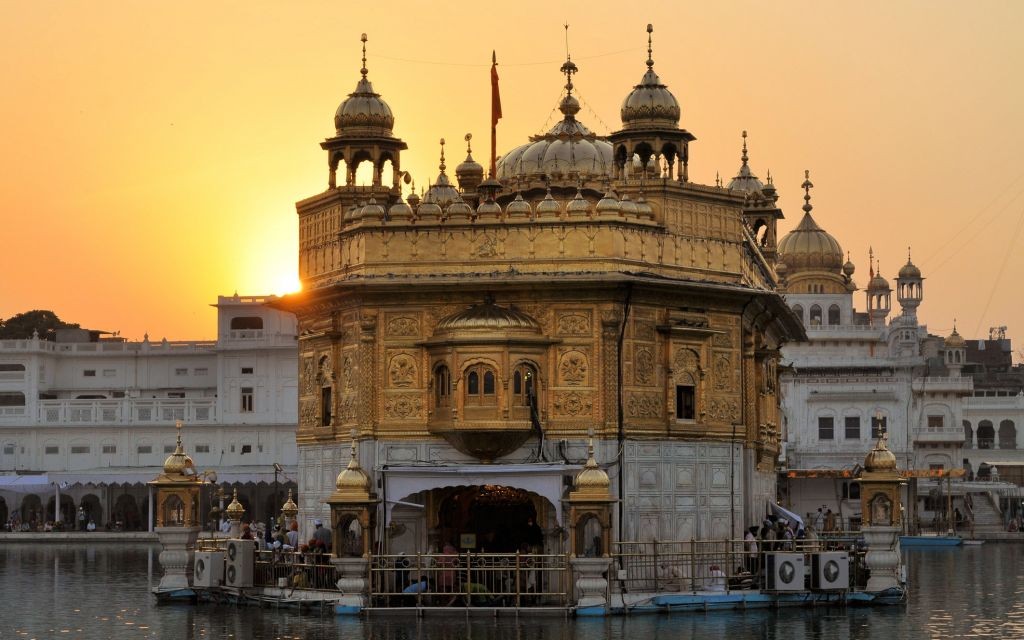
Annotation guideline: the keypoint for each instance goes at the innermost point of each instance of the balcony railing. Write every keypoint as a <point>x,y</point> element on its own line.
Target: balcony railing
<point>127,411</point>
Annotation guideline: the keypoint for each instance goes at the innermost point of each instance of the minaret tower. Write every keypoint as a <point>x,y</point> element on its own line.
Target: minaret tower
<point>909,288</point>
<point>879,294</point>
<point>650,126</point>
<point>363,124</point>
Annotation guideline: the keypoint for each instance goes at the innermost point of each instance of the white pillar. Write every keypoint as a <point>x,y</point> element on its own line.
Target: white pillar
<point>149,523</point>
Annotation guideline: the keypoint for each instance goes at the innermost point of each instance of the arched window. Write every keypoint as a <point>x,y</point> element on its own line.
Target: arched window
<point>242,323</point>
<point>833,315</point>
<point>524,379</point>
<point>986,435</point>
<point>1007,435</point>
<point>799,311</point>
<point>480,386</point>
<point>442,387</point>
<point>815,316</point>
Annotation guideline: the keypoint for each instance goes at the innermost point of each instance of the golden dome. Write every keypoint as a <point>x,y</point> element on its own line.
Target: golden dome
<point>235,510</point>
<point>909,270</point>
<point>591,481</point>
<point>880,458</point>
<point>745,180</point>
<point>878,283</point>
<point>178,462</point>
<point>809,246</point>
<point>650,103</point>
<point>289,508</point>
<point>352,484</point>
<point>363,111</point>
<point>955,340</point>
<point>488,317</point>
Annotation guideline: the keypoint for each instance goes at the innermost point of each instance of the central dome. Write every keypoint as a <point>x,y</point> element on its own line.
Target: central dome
<point>568,149</point>
<point>650,104</point>
<point>364,111</point>
<point>810,246</point>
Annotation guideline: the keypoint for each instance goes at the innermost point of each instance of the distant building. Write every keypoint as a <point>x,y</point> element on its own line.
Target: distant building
<point>93,420</point>
<point>994,414</point>
<point>859,374</point>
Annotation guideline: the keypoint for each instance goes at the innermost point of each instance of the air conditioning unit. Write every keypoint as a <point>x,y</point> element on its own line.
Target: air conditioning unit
<point>239,569</point>
<point>208,569</point>
<point>784,571</point>
<point>830,571</point>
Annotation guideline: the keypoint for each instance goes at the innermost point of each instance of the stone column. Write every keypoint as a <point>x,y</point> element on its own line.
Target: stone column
<point>883,557</point>
<point>352,583</point>
<point>176,557</point>
<point>591,585</point>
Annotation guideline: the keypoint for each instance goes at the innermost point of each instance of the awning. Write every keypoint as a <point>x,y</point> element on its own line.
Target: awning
<point>545,480</point>
<point>142,475</point>
<point>25,483</point>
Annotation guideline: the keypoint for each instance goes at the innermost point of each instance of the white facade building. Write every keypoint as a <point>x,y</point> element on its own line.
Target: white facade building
<point>859,374</point>
<point>94,420</point>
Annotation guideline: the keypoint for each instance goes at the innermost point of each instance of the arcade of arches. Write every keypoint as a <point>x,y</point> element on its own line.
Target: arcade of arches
<point>125,507</point>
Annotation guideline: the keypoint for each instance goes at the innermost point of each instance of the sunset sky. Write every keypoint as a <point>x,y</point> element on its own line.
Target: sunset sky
<point>153,151</point>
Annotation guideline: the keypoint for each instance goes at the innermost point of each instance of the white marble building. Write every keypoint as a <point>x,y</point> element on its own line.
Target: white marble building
<point>93,421</point>
<point>859,373</point>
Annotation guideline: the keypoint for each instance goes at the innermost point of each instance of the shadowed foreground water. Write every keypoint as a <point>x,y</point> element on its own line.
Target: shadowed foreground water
<point>74,591</point>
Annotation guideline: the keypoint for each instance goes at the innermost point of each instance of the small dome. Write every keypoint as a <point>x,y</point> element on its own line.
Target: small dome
<point>909,270</point>
<point>373,210</point>
<point>428,209</point>
<point>400,210</point>
<point>178,463</point>
<point>592,481</point>
<point>643,209</point>
<point>745,181</point>
<point>549,207</point>
<point>488,317</point>
<point>650,103</point>
<point>809,246</point>
<point>488,208</point>
<point>849,268</point>
<point>608,204</point>
<point>459,209</point>
<point>627,207</point>
<point>469,173</point>
<point>364,111</point>
<point>289,509</point>
<point>880,458</point>
<point>235,510</point>
<point>955,340</point>
<point>414,198</point>
<point>578,206</point>
<point>878,283</point>
<point>519,207</point>
<point>442,192</point>
<point>352,479</point>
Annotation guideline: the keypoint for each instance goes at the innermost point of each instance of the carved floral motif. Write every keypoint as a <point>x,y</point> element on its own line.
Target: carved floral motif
<point>573,368</point>
<point>644,366</point>
<point>403,406</point>
<point>724,410</point>
<point>643,405</point>
<point>723,372</point>
<point>308,376</point>
<point>403,326</point>
<point>347,375</point>
<point>574,324</point>
<point>402,370</point>
<point>573,403</point>
<point>307,412</point>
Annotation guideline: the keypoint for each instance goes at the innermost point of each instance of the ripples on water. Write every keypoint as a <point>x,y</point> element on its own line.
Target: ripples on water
<point>75,591</point>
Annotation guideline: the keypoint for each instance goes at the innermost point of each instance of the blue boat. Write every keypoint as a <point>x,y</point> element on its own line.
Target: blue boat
<point>931,541</point>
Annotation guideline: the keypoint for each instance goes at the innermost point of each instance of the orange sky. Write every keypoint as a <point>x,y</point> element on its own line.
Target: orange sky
<point>153,152</point>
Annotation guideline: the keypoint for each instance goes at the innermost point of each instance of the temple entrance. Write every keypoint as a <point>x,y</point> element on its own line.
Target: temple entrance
<point>489,519</point>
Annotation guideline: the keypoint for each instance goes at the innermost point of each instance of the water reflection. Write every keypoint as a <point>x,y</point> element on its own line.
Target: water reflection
<point>103,592</point>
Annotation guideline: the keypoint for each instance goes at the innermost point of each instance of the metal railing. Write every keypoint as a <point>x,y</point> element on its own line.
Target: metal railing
<point>712,565</point>
<point>469,580</point>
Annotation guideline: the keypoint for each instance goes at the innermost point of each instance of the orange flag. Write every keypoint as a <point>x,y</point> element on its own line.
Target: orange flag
<point>495,96</point>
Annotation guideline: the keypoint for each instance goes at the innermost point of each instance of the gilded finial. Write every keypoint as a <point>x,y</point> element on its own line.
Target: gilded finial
<point>650,58</point>
<point>364,70</point>
<point>442,165</point>
<point>568,67</point>
<point>744,157</point>
<point>354,433</point>
<point>908,254</point>
<point>871,261</point>
<point>770,178</point>
<point>718,179</point>
<point>807,191</point>
<point>178,425</point>
<point>469,147</point>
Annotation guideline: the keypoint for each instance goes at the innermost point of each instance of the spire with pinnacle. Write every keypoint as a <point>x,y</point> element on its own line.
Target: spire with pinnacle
<point>650,58</point>
<point>364,70</point>
<point>806,186</point>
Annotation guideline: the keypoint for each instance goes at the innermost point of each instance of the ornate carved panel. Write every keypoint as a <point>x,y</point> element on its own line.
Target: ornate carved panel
<point>644,405</point>
<point>643,365</point>
<point>573,368</point>
<point>573,404</point>
<point>402,370</point>
<point>403,406</point>
<point>402,326</point>
<point>576,323</point>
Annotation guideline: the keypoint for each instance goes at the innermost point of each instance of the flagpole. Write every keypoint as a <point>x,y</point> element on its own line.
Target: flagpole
<point>495,113</point>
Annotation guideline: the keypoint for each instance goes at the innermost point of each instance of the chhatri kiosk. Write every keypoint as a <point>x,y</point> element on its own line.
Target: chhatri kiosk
<point>472,335</point>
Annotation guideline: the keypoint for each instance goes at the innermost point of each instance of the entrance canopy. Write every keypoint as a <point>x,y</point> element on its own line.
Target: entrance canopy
<point>25,483</point>
<point>545,480</point>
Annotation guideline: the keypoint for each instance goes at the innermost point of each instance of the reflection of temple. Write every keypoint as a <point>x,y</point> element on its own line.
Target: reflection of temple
<point>473,336</point>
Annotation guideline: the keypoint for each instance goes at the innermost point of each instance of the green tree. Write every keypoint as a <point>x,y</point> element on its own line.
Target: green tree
<point>21,326</point>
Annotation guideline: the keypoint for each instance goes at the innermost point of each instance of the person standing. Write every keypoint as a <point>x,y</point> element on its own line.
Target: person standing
<point>322,535</point>
<point>750,542</point>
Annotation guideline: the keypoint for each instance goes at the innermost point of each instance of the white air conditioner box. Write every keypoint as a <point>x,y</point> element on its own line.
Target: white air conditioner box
<point>784,571</point>
<point>830,571</point>
<point>239,569</point>
<point>208,569</point>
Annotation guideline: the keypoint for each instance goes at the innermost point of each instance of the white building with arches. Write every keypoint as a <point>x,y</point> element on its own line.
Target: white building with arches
<point>860,373</point>
<point>86,422</point>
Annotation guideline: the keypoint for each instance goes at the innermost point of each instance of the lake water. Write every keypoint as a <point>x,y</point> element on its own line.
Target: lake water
<point>78,591</point>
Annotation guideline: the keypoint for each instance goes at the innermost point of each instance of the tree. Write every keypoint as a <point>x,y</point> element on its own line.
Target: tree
<point>21,326</point>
